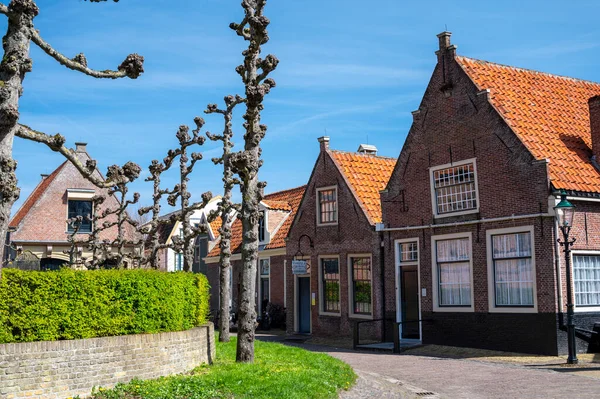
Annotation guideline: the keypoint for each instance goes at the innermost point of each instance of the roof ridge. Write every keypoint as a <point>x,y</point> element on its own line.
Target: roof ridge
<point>529,70</point>
<point>366,155</point>
<point>17,217</point>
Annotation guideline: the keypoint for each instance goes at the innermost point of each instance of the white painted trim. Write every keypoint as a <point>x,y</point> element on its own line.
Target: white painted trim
<point>379,227</point>
<point>434,274</point>
<point>80,194</point>
<point>320,296</point>
<point>582,309</point>
<point>492,308</point>
<point>337,206</point>
<point>397,265</point>
<point>583,199</point>
<point>351,313</point>
<point>432,188</point>
<point>285,283</point>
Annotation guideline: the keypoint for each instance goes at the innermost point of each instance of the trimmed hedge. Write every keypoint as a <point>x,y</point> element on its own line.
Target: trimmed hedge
<point>72,304</point>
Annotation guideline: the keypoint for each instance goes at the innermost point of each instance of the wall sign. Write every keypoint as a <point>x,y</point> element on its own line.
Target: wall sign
<point>300,267</point>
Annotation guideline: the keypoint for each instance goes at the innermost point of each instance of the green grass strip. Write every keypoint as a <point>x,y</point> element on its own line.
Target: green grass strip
<point>279,371</point>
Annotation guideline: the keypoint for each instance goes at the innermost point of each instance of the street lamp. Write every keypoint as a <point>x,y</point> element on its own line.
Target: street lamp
<point>564,212</point>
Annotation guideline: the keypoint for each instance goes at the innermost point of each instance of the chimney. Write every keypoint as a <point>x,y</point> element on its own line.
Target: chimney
<point>367,149</point>
<point>80,147</point>
<point>594,104</point>
<point>445,46</point>
<point>44,176</point>
<point>324,143</point>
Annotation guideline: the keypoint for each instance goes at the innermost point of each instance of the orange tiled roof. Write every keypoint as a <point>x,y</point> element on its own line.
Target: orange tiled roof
<point>215,225</point>
<point>34,196</point>
<point>549,114</point>
<point>367,175</point>
<point>281,200</point>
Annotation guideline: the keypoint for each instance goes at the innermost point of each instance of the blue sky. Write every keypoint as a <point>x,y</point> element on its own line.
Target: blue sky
<point>352,70</point>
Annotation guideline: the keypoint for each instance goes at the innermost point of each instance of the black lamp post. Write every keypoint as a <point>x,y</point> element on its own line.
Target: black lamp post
<point>564,212</point>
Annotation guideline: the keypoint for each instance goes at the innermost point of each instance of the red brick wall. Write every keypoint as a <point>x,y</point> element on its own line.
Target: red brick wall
<point>352,235</point>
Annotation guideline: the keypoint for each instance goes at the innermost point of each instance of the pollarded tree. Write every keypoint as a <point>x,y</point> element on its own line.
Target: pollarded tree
<point>227,210</point>
<point>254,73</point>
<point>14,66</point>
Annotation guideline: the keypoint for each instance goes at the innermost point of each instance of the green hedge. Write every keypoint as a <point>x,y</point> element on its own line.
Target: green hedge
<point>71,304</point>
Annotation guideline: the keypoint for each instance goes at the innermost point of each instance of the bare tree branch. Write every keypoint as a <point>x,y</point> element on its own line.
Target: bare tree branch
<point>132,67</point>
<point>56,143</point>
<point>3,9</point>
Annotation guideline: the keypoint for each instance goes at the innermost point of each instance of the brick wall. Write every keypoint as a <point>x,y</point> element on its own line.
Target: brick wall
<point>60,369</point>
<point>353,234</point>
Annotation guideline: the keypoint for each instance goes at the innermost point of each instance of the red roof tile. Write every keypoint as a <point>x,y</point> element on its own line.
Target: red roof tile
<point>366,175</point>
<point>34,196</point>
<point>548,113</point>
<point>282,200</point>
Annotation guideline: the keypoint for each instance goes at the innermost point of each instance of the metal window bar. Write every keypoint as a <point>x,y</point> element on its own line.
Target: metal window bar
<point>331,285</point>
<point>455,189</point>
<point>361,285</point>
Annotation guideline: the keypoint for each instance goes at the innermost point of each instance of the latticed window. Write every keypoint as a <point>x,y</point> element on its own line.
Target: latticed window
<point>330,285</point>
<point>409,252</point>
<point>178,262</point>
<point>361,284</point>
<point>513,269</point>
<point>328,206</point>
<point>83,209</point>
<point>454,272</point>
<point>586,277</point>
<point>455,189</point>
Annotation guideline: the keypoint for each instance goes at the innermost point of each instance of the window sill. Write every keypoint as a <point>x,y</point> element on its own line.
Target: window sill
<point>586,309</point>
<point>449,309</point>
<point>360,316</point>
<point>328,314</point>
<point>327,224</point>
<point>453,214</point>
<point>507,309</point>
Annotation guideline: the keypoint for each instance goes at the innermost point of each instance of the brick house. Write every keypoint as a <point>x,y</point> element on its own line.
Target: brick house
<point>469,234</point>
<point>277,212</point>
<point>334,231</point>
<point>40,229</point>
<point>171,260</point>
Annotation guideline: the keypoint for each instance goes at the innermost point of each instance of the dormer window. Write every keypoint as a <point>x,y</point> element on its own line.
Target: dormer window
<point>327,210</point>
<point>454,189</point>
<point>81,208</point>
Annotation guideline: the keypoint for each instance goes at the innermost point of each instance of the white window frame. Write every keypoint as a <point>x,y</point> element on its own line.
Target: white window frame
<point>351,286</point>
<point>581,309</point>
<point>321,303</point>
<point>74,194</point>
<point>398,264</point>
<point>260,277</point>
<point>435,278</point>
<point>491,272</point>
<point>434,197</point>
<point>337,206</point>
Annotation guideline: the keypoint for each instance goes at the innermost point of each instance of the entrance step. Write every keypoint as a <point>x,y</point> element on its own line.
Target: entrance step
<point>388,346</point>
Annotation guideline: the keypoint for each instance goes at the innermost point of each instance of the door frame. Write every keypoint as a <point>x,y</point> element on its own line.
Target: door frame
<point>297,299</point>
<point>397,267</point>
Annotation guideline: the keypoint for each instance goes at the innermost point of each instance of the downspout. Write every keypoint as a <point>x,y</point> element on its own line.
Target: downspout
<point>558,273</point>
<point>382,278</point>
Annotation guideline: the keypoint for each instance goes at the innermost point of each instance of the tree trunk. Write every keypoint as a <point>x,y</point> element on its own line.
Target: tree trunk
<point>225,277</point>
<point>15,64</point>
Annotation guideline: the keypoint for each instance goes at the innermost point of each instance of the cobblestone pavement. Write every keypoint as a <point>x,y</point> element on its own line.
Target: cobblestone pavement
<point>384,375</point>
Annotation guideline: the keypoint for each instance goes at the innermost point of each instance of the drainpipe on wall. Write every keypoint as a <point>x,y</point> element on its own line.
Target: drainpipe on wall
<point>382,277</point>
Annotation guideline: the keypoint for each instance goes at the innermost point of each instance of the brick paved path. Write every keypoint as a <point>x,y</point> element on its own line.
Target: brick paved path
<point>452,378</point>
<point>384,375</point>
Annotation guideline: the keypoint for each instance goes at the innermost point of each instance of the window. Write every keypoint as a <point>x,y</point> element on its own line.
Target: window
<point>453,264</point>
<point>265,271</point>
<point>178,262</point>
<point>261,226</point>
<point>360,285</point>
<point>513,269</point>
<point>454,189</point>
<point>327,205</point>
<point>330,285</point>
<point>83,209</point>
<point>408,252</point>
<point>586,279</point>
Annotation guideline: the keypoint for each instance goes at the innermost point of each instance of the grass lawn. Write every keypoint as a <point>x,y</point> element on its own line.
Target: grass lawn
<point>278,371</point>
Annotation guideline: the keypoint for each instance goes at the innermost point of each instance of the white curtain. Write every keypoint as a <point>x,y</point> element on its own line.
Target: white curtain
<point>513,277</point>
<point>586,278</point>
<point>454,272</point>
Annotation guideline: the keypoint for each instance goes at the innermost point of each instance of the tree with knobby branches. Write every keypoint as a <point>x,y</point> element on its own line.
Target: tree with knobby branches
<point>14,66</point>
<point>226,210</point>
<point>254,72</point>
